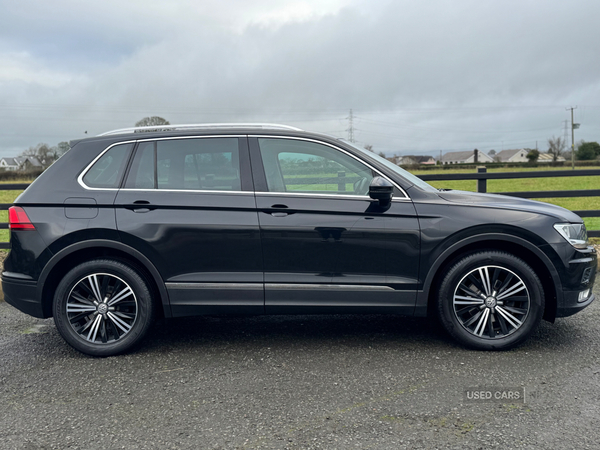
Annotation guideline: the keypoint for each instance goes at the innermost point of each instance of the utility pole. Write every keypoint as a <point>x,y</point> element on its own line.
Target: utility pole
<point>573,126</point>
<point>350,129</point>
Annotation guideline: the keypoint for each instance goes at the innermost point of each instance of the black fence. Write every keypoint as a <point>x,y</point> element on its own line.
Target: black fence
<point>481,176</point>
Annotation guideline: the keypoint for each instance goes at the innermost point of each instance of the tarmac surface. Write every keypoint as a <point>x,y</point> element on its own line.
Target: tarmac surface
<point>301,382</point>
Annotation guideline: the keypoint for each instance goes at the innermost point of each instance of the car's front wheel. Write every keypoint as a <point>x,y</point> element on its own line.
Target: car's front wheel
<point>103,307</point>
<point>490,300</point>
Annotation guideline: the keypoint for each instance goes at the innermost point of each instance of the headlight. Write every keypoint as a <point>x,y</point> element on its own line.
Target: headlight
<point>574,233</point>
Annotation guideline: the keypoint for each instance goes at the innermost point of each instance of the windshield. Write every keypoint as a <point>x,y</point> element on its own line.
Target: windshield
<point>393,167</point>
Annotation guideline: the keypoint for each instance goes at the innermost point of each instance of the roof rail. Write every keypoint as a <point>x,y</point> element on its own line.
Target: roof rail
<point>272,126</point>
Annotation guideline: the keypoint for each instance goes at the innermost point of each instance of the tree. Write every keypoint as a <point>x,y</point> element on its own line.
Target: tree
<point>588,151</point>
<point>151,121</point>
<point>60,149</point>
<point>39,157</point>
<point>492,153</point>
<point>369,147</point>
<point>533,155</point>
<point>556,145</point>
<point>381,154</point>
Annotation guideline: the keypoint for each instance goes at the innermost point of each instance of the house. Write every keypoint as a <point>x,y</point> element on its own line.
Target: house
<point>546,158</point>
<point>516,155</point>
<point>22,163</point>
<point>467,157</point>
<point>410,160</point>
<point>8,164</point>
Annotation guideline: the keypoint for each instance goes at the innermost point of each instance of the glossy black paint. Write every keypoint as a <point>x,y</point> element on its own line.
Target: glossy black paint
<point>257,252</point>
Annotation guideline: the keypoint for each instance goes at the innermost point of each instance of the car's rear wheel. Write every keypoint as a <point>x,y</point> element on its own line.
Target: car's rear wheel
<point>103,307</point>
<point>490,300</point>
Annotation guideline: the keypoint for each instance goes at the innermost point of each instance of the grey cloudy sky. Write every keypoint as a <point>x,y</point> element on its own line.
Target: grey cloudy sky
<point>420,76</point>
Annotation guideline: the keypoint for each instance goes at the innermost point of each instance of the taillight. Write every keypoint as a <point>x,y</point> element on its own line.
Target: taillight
<point>18,220</point>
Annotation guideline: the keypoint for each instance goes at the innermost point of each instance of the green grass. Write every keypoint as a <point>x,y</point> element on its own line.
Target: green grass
<point>8,197</point>
<point>531,184</point>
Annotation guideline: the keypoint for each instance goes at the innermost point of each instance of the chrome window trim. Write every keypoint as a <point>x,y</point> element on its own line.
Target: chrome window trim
<point>135,141</point>
<point>331,196</point>
<point>193,191</point>
<point>335,148</point>
<point>237,136</point>
<point>89,166</point>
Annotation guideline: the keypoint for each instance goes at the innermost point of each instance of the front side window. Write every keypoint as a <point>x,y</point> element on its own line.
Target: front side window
<point>308,167</point>
<point>107,172</point>
<point>186,164</point>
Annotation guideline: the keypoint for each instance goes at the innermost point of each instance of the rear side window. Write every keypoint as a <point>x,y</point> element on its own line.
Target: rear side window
<point>108,171</point>
<point>186,164</point>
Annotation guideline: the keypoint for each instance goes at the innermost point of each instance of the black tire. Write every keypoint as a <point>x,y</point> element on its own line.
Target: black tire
<point>496,282</point>
<point>103,307</point>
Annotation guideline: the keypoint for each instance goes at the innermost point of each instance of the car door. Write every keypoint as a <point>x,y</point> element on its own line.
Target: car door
<point>327,246</point>
<point>188,205</point>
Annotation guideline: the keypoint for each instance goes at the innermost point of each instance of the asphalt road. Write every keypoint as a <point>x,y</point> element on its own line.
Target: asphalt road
<point>336,382</point>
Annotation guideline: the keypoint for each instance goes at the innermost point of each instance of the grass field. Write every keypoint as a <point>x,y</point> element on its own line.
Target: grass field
<point>8,197</point>
<point>532,184</point>
<point>514,185</point>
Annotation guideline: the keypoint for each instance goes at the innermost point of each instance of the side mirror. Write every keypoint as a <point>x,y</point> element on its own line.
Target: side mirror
<point>382,190</point>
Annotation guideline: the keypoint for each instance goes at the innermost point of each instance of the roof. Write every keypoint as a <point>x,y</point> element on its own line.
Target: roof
<point>457,156</point>
<point>130,134</point>
<point>419,159</point>
<point>505,155</point>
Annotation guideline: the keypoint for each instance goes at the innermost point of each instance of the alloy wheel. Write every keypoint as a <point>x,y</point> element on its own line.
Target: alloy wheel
<point>101,308</point>
<point>491,302</point>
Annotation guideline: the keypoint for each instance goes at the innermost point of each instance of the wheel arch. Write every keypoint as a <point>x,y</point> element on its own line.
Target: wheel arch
<point>70,256</point>
<point>515,245</point>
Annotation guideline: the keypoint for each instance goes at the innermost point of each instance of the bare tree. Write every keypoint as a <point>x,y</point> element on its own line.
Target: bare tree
<point>151,121</point>
<point>369,147</point>
<point>556,145</point>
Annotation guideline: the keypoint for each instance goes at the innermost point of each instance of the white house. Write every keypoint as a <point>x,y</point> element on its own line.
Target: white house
<point>20,163</point>
<point>410,160</point>
<point>467,157</point>
<point>8,164</point>
<point>517,155</point>
<point>548,158</point>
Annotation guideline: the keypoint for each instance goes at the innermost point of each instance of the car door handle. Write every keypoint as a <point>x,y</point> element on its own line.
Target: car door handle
<point>279,213</point>
<point>140,206</point>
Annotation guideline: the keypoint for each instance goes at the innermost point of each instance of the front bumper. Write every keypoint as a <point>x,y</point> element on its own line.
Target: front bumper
<point>580,277</point>
<point>570,304</point>
<point>22,294</point>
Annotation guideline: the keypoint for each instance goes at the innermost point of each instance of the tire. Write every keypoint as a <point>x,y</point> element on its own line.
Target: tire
<point>103,307</point>
<point>490,300</point>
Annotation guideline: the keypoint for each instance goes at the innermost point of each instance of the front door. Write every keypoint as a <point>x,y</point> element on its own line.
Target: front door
<point>327,246</point>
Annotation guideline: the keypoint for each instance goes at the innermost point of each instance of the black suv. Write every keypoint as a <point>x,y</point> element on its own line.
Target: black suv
<point>268,219</point>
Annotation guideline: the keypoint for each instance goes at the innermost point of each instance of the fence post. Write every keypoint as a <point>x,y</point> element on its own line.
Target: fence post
<point>482,184</point>
<point>341,181</point>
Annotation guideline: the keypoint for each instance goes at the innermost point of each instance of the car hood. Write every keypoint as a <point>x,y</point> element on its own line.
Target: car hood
<point>507,202</point>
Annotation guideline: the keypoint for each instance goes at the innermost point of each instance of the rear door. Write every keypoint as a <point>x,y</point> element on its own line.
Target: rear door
<point>188,205</point>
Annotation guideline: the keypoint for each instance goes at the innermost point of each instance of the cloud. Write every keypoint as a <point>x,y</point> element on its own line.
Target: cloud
<point>420,76</point>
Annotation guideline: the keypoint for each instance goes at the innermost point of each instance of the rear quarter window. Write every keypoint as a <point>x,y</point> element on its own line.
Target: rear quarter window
<point>107,171</point>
